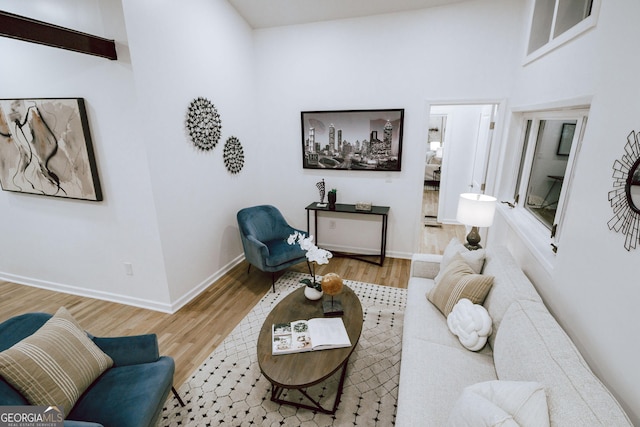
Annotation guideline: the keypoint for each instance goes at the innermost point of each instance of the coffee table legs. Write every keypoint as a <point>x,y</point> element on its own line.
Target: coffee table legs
<point>276,393</point>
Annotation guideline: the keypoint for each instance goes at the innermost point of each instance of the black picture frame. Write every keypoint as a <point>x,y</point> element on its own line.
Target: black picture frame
<point>566,138</point>
<point>46,148</point>
<point>353,139</point>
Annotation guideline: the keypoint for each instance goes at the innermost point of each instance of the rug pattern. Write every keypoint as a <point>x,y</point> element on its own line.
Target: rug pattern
<point>228,388</point>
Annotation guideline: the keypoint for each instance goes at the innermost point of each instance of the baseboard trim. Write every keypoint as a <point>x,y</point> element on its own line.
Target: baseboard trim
<point>193,293</point>
<point>124,299</point>
<point>87,293</point>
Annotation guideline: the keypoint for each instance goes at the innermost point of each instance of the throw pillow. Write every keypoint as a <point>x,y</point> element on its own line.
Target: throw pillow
<point>501,403</point>
<point>471,323</point>
<point>475,259</point>
<point>56,364</point>
<point>459,281</point>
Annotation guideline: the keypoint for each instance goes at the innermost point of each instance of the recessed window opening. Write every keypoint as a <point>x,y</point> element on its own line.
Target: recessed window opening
<point>553,146</point>
<point>550,145</point>
<point>552,18</point>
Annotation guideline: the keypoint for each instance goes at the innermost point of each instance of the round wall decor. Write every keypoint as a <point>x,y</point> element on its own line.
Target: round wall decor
<point>625,195</point>
<point>203,124</point>
<point>233,155</point>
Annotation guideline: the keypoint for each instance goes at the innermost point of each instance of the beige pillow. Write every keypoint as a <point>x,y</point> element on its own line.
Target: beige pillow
<point>475,259</point>
<point>56,364</point>
<point>459,281</point>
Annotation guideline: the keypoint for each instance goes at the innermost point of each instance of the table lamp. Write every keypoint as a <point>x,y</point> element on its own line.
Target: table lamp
<point>475,210</point>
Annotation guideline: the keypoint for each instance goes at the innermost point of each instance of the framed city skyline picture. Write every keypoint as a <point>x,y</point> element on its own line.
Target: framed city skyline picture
<point>46,149</point>
<point>352,139</point>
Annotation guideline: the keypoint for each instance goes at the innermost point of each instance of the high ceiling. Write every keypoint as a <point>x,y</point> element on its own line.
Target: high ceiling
<point>274,13</point>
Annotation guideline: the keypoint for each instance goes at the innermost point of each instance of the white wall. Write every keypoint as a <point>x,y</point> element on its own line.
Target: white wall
<point>466,51</point>
<point>592,286</point>
<point>169,210</point>
<point>183,51</point>
<point>71,245</point>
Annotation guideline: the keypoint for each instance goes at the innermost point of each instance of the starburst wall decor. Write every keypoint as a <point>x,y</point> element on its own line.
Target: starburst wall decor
<point>626,175</point>
<point>203,124</point>
<point>233,155</point>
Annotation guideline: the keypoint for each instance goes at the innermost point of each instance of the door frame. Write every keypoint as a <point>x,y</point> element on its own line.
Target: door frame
<point>492,154</point>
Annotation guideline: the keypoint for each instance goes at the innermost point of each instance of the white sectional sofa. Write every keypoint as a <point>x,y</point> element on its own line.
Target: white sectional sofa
<point>527,346</point>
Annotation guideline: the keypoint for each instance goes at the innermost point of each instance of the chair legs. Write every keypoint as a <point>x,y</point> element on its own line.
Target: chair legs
<point>273,278</point>
<point>175,393</point>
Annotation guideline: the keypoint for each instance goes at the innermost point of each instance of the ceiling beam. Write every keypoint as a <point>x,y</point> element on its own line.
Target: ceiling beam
<point>31,30</point>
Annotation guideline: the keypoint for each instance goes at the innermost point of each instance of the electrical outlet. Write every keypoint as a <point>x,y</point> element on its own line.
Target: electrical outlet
<point>332,225</point>
<point>128,268</point>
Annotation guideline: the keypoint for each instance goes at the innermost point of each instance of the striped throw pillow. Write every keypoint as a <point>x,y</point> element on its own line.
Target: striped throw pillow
<point>55,365</point>
<point>459,281</point>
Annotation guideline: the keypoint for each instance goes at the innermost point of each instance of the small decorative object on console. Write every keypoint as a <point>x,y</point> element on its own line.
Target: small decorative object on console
<point>321,189</point>
<point>333,195</point>
<point>363,206</point>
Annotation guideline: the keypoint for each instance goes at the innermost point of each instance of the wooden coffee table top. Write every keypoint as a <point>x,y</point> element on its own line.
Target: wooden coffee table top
<point>301,370</point>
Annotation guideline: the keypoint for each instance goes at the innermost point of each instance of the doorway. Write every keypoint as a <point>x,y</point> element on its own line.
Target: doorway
<point>457,147</point>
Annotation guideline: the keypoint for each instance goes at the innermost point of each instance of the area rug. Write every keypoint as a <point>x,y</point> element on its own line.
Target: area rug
<point>228,388</point>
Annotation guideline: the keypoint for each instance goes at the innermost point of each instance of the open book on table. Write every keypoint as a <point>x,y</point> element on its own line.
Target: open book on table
<point>309,335</point>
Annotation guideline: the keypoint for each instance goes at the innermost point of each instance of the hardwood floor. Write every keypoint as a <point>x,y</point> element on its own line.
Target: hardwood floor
<point>436,236</point>
<point>193,332</point>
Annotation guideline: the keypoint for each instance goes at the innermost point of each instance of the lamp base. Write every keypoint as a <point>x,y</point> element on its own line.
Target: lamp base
<point>473,239</point>
<point>332,307</point>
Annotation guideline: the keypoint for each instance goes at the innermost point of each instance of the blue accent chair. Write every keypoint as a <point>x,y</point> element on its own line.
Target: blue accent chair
<point>264,233</point>
<point>131,393</point>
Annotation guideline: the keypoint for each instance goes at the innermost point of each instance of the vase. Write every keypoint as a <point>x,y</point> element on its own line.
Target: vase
<point>332,200</point>
<point>312,294</point>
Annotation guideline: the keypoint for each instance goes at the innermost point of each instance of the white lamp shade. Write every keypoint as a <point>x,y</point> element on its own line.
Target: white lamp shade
<point>476,210</point>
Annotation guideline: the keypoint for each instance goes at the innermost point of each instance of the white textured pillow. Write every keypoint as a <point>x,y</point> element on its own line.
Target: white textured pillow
<point>501,403</point>
<point>475,259</point>
<point>470,323</point>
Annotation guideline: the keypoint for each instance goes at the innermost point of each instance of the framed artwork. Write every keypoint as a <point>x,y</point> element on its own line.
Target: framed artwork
<point>352,139</point>
<point>46,149</point>
<point>566,137</point>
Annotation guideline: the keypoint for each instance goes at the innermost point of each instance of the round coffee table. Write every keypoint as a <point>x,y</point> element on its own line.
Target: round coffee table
<point>302,370</point>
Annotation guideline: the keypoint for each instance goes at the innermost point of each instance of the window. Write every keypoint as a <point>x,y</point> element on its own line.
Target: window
<point>552,21</point>
<point>550,144</point>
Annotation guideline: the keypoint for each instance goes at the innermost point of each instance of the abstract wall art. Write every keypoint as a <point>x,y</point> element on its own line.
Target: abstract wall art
<point>46,148</point>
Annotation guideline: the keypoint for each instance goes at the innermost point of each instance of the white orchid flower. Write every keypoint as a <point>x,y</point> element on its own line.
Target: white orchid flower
<point>314,254</point>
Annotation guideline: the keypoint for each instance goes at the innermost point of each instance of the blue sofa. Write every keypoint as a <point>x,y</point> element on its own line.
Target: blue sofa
<point>131,393</point>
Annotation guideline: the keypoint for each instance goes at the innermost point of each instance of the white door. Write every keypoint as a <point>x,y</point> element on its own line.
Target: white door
<point>466,152</point>
<point>483,148</point>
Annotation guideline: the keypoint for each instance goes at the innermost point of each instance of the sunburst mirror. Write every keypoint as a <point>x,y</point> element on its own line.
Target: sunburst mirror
<point>625,196</point>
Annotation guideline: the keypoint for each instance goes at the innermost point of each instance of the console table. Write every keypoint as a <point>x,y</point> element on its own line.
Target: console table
<point>382,211</point>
